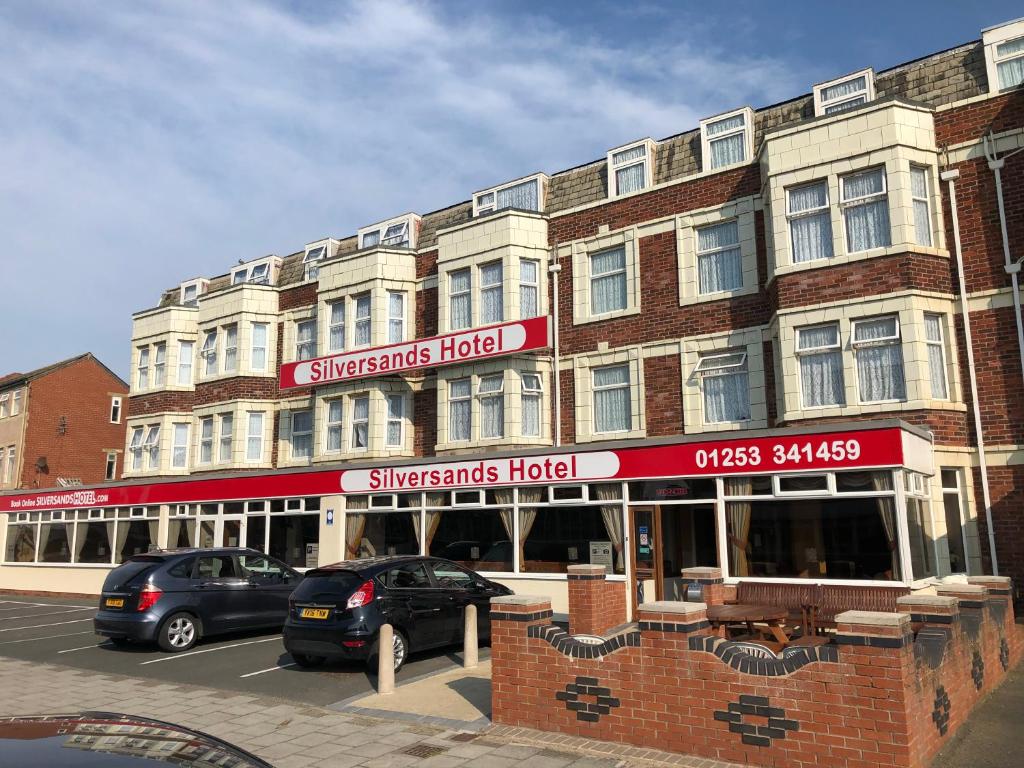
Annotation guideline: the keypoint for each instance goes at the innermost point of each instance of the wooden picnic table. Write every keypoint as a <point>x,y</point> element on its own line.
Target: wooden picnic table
<point>721,616</point>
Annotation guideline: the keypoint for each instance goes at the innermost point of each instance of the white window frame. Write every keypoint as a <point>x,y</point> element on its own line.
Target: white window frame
<point>305,433</point>
<point>494,287</point>
<point>864,95</point>
<point>926,172</point>
<point>532,389</point>
<point>628,386</point>
<point>230,348</point>
<point>135,447</point>
<point>198,285</point>
<point>461,399</point>
<point>311,261</point>
<point>362,321</point>
<point>255,272</point>
<point>115,409</point>
<point>334,426</point>
<point>205,440</point>
<point>737,246</point>
<point>305,349</point>
<point>256,439</point>
<point>720,364</point>
<point>452,295</point>
<point>179,450</point>
<point>142,379</point>
<point>208,352</point>
<point>591,276</point>
<point>406,234</point>
<point>530,286</point>
<point>258,352</point>
<point>791,217</point>
<point>486,201</point>
<point>992,39</point>
<point>940,344</point>
<point>336,325</point>
<point>614,166</point>
<point>12,464</point>
<point>706,140</point>
<point>185,362</point>
<point>483,394</point>
<point>110,468</point>
<point>392,419</point>
<point>960,492</point>
<point>361,421</point>
<point>16,399</point>
<point>5,405</point>
<point>159,364</point>
<point>855,202</point>
<point>399,319</point>
<point>151,446</point>
<point>225,437</point>
<point>798,351</point>
<point>895,339</point>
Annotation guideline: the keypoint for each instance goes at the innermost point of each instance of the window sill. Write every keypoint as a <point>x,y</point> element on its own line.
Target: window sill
<point>704,298</point>
<point>336,456</point>
<point>161,389</point>
<point>586,319</point>
<point>233,375</point>
<point>848,258</point>
<point>728,426</point>
<point>633,434</point>
<point>887,407</point>
<point>503,442</point>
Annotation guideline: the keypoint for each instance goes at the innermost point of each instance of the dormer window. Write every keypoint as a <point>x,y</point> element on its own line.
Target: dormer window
<point>1004,55</point>
<point>396,233</point>
<point>727,140</point>
<point>844,93</point>
<point>525,194</point>
<point>258,273</point>
<point>189,292</point>
<point>629,168</point>
<point>310,265</point>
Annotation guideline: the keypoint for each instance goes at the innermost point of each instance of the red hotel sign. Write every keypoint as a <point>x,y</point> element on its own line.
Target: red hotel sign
<point>731,455</point>
<point>452,348</point>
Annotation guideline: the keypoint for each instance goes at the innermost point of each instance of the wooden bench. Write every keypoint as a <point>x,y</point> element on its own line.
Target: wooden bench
<point>814,606</point>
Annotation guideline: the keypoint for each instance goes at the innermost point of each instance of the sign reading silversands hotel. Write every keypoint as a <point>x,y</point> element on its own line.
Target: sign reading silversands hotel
<point>450,349</point>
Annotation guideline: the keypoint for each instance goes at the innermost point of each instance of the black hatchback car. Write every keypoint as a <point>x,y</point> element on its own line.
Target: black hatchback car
<point>174,597</point>
<point>337,611</point>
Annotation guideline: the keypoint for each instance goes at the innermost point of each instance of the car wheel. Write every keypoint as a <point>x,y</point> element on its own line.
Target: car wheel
<point>400,646</point>
<point>307,661</point>
<point>178,633</point>
<point>118,642</point>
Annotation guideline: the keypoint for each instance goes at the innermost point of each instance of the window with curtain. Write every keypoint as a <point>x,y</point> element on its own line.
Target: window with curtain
<point>334,411</point>
<point>608,290</point>
<point>724,386</point>
<point>305,340</point>
<point>143,377</point>
<point>1009,58</point>
<point>935,342</point>
<point>397,235</point>
<point>230,347</point>
<point>475,538</point>
<point>491,304</point>
<point>361,422</point>
<point>879,352</point>
<point>185,352</point>
<point>159,364</point>
<point>396,417</point>
<point>727,140</point>
<point>179,446</point>
<point>134,448</point>
<point>336,326</point>
<point>289,535</point>
<point>383,533</point>
<point>302,434</point>
<point>952,502</point>
<point>844,95</point>
<point>370,239</point>
<point>532,390</point>
<point>206,440</point>
<point>311,267</point>
<point>460,314</point>
<point>529,288</point>
<point>254,437</point>
<point>258,350</point>
<point>152,446</point>
<point>865,210</point>
<point>227,426</point>
<point>629,169</point>
<point>21,543</point>
<point>396,317</point>
<point>612,407</point>
<point>460,408</point>
<point>553,538</point>
<point>362,331</point>
<point>55,543</point>
<point>719,262</point>
<point>522,196</point>
<point>821,366</point>
<point>92,542</point>
<point>490,390</point>
<point>135,537</point>
<point>209,352</point>
<point>922,212</point>
<point>810,222</point>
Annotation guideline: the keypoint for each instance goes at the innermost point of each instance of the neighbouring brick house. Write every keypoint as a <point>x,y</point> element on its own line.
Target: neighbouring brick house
<point>744,346</point>
<point>62,425</point>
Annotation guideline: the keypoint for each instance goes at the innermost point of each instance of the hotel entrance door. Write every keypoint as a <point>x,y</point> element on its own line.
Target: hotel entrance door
<point>667,538</point>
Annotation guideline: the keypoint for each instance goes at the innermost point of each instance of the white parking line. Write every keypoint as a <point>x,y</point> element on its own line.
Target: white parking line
<point>206,650</point>
<point>48,637</point>
<point>18,605</point>
<point>40,615</point>
<point>271,669</point>
<point>87,647</point>
<point>40,626</point>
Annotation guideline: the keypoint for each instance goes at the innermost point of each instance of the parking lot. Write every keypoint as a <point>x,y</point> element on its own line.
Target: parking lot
<point>59,631</point>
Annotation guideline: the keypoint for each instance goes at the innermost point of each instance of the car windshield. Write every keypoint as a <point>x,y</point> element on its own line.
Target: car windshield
<point>132,571</point>
<point>332,582</point>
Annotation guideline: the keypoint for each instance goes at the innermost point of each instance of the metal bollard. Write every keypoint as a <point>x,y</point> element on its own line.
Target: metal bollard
<point>386,660</point>
<point>470,655</point>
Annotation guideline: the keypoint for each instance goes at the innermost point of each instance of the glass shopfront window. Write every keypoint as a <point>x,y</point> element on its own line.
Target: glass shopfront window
<point>374,534</point>
<point>55,543</point>
<point>21,543</point>
<point>551,538</point>
<point>480,539</point>
<point>289,535</point>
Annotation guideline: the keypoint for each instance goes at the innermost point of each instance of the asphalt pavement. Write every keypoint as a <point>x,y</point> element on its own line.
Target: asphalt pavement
<point>59,631</point>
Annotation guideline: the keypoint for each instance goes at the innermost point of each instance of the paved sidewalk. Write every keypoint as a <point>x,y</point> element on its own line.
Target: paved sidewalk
<point>991,737</point>
<point>291,735</point>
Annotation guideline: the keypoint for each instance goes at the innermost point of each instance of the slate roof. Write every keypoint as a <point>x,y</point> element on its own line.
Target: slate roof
<point>17,379</point>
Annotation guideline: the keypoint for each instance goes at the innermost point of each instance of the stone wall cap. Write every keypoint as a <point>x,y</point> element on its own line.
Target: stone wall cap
<point>587,568</point>
<point>673,606</point>
<point>873,618</point>
<point>990,581</point>
<point>703,572</point>
<point>973,590</point>
<point>933,601</point>
<point>519,600</point>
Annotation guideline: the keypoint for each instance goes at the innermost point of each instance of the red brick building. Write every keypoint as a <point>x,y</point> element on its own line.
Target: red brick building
<point>62,424</point>
<point>785,342</point>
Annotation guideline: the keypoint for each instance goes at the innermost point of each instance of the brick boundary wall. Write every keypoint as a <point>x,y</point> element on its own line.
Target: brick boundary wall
<point>596,605</point>
<point>890,691</point>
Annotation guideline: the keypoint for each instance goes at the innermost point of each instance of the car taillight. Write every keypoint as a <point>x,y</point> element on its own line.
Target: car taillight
<point>361,596</point>
<point>148,597</point>
<point>353,643</point>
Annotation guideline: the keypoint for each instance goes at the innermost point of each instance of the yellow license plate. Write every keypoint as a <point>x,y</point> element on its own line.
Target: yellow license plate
<point>314,613</point>
<point>115,602</point>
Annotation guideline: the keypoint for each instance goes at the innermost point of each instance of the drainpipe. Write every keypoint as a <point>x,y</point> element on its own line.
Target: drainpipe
<point>1012,268</point>
<point>554,268</point>
<point>949,177</point>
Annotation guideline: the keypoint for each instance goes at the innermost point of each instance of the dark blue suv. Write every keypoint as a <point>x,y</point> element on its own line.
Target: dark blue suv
<point>174,597</point>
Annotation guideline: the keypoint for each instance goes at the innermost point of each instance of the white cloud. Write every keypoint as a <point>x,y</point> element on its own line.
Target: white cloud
<point>149,143</point>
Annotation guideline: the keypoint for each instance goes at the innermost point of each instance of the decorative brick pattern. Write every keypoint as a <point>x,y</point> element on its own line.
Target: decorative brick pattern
<point>978,670</point>
<point>940,712</point>
<point>589,711</point>
<point>764,722</point>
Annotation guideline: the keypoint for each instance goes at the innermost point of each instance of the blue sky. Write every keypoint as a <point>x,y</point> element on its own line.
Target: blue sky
<point>144,143</point>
